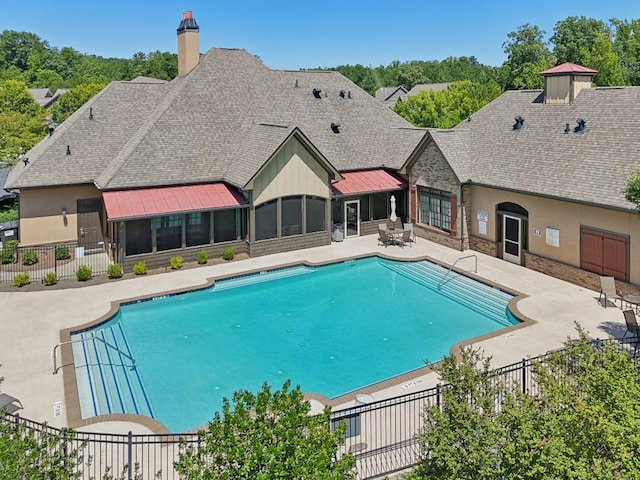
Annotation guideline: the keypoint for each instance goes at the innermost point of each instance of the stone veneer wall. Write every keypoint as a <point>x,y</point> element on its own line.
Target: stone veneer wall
<point>161,259</point>
<point>437,236</point>
<point>483,246</point>
<point>287,244</point>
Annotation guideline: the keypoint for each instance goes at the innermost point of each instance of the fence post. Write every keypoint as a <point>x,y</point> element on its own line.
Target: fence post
<point>438,397</point>
<point>524,376</point>
<point>129,455</point>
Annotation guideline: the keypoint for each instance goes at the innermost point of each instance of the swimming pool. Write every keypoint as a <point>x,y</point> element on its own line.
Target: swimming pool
<point>330,329</point>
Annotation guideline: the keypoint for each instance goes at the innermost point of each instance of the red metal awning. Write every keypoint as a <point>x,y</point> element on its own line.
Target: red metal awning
<point>148,202</point>
<point>368,181</point>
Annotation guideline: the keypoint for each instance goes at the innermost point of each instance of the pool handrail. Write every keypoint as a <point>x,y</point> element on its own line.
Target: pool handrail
<point>475,269</point>
<point>53,353</point>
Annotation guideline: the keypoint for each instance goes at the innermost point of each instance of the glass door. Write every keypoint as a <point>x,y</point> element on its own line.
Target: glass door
<point>511,241</point>
<point>352,218</point>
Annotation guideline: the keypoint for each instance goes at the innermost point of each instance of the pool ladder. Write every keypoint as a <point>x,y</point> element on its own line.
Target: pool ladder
<point>444,277</point>
<point>53,353</point>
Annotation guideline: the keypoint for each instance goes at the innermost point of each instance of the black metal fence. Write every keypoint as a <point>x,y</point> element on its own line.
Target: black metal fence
<point>61,259</point>
<point>382,435</point>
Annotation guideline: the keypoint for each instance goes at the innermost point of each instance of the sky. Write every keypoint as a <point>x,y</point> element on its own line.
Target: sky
<point>295,34</point>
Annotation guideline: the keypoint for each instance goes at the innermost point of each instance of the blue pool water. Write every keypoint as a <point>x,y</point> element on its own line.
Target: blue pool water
<point>331,329</point>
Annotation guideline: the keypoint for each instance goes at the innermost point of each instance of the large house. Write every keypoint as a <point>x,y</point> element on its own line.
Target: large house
<point>234,154</point>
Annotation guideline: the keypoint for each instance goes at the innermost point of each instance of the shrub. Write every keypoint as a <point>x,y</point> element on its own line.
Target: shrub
<point>140,268</point>
<point>114,271</point>
<point>83,273</point>
<point>62,252</point>
<point>29,257</point>
<point>176,262</point>
<point>228,253</point>
<point>8,253</point>
<point>202,257</point>
<point>21,279</point>
<point>50,279</point>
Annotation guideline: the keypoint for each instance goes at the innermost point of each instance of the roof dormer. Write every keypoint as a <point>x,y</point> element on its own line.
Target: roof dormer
<point>562,83</point>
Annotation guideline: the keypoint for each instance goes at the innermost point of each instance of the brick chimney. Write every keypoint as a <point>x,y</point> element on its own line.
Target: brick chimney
<point>188,44</point>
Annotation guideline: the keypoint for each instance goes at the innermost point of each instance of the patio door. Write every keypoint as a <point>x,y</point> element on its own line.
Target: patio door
<point>90,222</point>
<point>511,239</point>
<point>352,218</point>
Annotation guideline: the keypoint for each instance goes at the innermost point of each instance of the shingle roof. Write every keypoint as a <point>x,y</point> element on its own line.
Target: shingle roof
<point>421,87</point>
<point>217,123</point>
<point>541,158</point>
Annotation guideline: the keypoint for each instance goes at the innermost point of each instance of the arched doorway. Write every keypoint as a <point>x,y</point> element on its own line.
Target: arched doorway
<point>513,227</point>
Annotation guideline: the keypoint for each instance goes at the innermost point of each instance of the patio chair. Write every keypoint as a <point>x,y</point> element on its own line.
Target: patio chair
<point>608,289</point>
<point>382,226</point>
<point>384,238</point>
<point>9,404</point>
<point>406,238</point>
<point>409,226</point>
<point>632,327</point>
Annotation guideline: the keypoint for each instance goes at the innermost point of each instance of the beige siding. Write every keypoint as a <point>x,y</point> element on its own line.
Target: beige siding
<point>557,89</point>
<point>565,216</point>
<point>580,82</point>
<point>293,171</point>
<point>41,219</point>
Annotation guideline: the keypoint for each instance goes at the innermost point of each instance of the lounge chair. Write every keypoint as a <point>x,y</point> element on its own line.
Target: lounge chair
<point>632,327</point>
<point>409,226</point>
<point>384,238</point>
<point>608,289</point>
<point>9,404</point>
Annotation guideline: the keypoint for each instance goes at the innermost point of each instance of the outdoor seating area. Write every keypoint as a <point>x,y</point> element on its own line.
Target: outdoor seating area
<point>609,292</point>
<point>396,236</point>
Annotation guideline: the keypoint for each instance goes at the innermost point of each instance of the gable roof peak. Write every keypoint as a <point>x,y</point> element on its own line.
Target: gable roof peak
<point>568,68</point>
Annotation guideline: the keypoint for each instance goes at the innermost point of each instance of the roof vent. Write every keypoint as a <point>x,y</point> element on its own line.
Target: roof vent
<point>582,125</point>
<point>567,129</point>
<point>343,93</point>
<point>51,128</point>
<point>25,160</point>
<point>519,122</point>
<point>90,113</point>
<point>335,127</point>
<point>296,85</point>
<point>349,94</point>
<point>317,92</point>
<point>68,150</point>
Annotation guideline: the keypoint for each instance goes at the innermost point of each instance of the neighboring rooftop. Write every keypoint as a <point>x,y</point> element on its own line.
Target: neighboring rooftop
<point>45,97</point>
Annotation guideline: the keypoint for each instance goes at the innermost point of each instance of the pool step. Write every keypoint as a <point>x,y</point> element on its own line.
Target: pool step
<point>477,296</point>
<point>260,277</point>
<point>107,375</point>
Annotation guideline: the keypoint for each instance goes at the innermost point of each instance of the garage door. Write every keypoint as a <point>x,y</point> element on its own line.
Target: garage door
<point>604,253</point>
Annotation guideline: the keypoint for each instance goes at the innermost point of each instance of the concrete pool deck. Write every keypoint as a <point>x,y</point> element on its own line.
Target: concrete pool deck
<point>31,321</point>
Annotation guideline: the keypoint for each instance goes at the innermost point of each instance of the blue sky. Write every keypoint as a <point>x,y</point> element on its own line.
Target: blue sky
<point>288,34</point>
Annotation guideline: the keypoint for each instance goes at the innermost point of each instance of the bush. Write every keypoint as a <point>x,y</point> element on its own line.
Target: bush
<point>114,271</point>
<point>8,253</point>
<point>21,279</point>
<point>50,279</point>
<point>83,273</point>
<point>228,253</point>
<point>62,252</point>
<point>202,257</point>
<point>29,257</point>
<point>140,268</point>
<point>176,262</point>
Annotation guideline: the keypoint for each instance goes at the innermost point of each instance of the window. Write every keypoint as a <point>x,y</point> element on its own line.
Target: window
<point>138,235</point>
<point>381,205</point>
<point>291,216</point>
<point>315,213</point>
<point>168,232</point>
<point>198,228</point>
<point>266,220</point>
<point>224,226</point>
<point>435,208</point>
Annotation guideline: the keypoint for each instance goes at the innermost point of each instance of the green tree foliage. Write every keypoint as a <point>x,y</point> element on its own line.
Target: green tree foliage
<point>15,97</point>
<point>574,37</point>
<point>74,99</point>
<point>627,45</point>
<point>446,108</point>
<point>632,189</point>
<point>583,424</point>
<point>266,436</point>
<point>527,55</point>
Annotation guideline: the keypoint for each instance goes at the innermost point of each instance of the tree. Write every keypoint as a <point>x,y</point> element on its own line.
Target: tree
<point>526,53</point>
<point>265,436</point>
<point>583,424</point>
<point>632,189</point>
<point>627,45</point>
<point>446,108</point>
<point>15,48</point>
<point>74,99</point>
<point>574,37</point>
<point>15,97</point>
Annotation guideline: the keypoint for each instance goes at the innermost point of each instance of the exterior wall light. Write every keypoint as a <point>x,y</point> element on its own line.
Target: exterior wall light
<point>64,212</point>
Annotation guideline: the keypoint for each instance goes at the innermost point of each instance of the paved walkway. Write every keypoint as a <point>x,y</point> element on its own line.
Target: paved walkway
<point>31,321</point>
